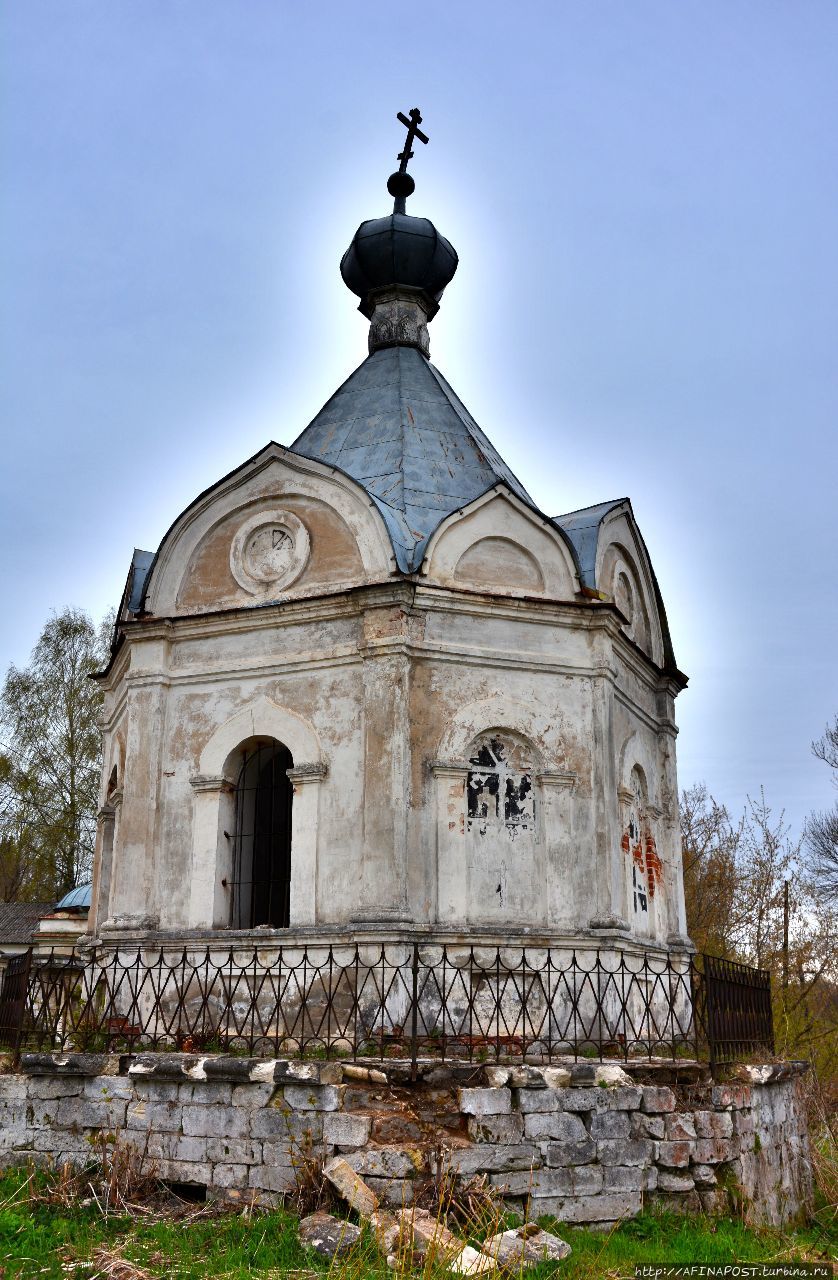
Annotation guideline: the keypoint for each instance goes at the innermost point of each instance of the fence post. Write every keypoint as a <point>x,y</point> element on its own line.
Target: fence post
<point>24,981</point>
<point>414,1013</point>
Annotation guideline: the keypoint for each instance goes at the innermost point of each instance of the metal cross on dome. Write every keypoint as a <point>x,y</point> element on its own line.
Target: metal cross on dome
<point>413,131</point>
<point>400,184</point>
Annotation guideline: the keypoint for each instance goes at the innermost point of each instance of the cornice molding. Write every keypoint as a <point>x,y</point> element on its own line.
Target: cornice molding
<point>561,779</point>
<point>302,774</point>
<point>201,783</point>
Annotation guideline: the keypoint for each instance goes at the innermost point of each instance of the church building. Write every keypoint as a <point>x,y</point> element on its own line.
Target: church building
<point>365,685</point>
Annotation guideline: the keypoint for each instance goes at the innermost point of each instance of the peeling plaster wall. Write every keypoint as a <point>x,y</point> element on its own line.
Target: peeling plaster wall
<point>394,681</point>
<point>397,684</point>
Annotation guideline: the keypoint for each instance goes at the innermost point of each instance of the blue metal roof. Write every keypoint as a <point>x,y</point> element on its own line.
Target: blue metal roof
<point>77,899</point>
<point>397,428</point>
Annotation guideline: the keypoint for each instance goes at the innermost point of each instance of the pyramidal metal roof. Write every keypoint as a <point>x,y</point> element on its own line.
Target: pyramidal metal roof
<point>397,428</point>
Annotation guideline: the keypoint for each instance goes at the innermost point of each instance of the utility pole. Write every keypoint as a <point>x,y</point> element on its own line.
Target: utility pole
<point>785,935</point>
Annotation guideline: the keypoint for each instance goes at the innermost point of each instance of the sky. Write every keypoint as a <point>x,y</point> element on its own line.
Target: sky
<point>643,197</point>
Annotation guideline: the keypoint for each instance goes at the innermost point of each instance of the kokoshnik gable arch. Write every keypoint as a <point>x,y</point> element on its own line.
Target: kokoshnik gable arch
<point>365,681</point>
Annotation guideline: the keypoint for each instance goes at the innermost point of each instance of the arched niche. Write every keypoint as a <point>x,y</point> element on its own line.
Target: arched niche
<point>492,562</point>
<point>644,877</point>
<point>503,819</point>
<point>624,574</point>
<point>505,547</point>
<point>334,509</point>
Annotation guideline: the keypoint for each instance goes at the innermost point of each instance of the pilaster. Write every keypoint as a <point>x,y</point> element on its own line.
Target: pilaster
<point>211,878</point>
<point>387,782</point>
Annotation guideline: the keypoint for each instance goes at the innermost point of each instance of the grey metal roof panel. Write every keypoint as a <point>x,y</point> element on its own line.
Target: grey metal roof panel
<point>140,565</point>
<point>582,527</point>
<point>397,428</point>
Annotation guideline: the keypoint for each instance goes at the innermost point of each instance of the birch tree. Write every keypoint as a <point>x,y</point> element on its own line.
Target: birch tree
<point>50,744</point>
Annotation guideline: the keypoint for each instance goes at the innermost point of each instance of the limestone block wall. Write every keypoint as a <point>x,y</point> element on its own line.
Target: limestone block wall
<point>552,1140</point>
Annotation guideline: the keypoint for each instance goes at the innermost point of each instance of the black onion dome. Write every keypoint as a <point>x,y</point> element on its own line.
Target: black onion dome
<point>398,250</point>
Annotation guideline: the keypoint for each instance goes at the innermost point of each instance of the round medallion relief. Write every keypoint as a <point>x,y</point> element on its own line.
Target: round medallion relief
<point>269,552</point>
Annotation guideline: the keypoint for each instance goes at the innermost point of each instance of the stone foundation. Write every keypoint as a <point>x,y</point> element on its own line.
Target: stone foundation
<point>585,1143</point>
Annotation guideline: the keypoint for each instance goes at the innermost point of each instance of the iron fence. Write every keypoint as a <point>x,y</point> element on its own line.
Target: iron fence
<point>732,1008</point>
<point>394,999</point>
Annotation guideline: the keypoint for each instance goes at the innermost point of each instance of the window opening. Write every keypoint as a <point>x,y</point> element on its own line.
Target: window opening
<point>638,843</point>
<point>499,788</point>
<point>262,853</point>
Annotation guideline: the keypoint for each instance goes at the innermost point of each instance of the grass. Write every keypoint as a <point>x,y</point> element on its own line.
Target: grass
<point>76,1240</point>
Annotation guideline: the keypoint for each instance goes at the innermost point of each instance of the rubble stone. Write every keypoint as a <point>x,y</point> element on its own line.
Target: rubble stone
<point>329,1236</point>
<point>599,1208</point>
<point>610,1075</point>
<point>525,1246</point>
<point>643,1126</point>
<point>624,1178</point>
<point>279,1177</point>
<point>485,1102</point>
<point>577,1149</point>
<point>733,1096</point>
<point>529,1100</point>
<point>711,1150</point>
<point>563,1153</point>
<point>425,1233</point>
<point>486,1158</point>
<point>383,1162</point>
<point>343,1130</point>
<point>629,1151</point>
<point>674,1155</point>
<point>561,1125</point>
<point>714,1124</point>
<point>313,1097</point>
<point>395,1192</point>
<point>581,1180</point>
<point>554,1077</point>
<point>387,1229</point>
<point>657,1098</point>
<point>681,1128</point>
<point>508,1128</point>
<point>610,1124</point>
<point>668,1181</point>
<point>714,1200</point>
<point>472,1262</point>
<point>215,1122</point>
<point>350,1185</point>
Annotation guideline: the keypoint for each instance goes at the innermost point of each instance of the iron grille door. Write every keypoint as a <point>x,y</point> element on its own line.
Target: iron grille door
<point>264,801</point>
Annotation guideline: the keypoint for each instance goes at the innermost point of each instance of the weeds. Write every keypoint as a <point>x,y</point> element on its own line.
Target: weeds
<point>468,1202</point>
<point>823,1138</point>
<point>312,1190</point>
<point>118,1179</point>
<point>111,1264</point>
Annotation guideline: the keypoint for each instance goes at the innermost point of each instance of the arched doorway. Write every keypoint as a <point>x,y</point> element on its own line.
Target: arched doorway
<point>262,839</point>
